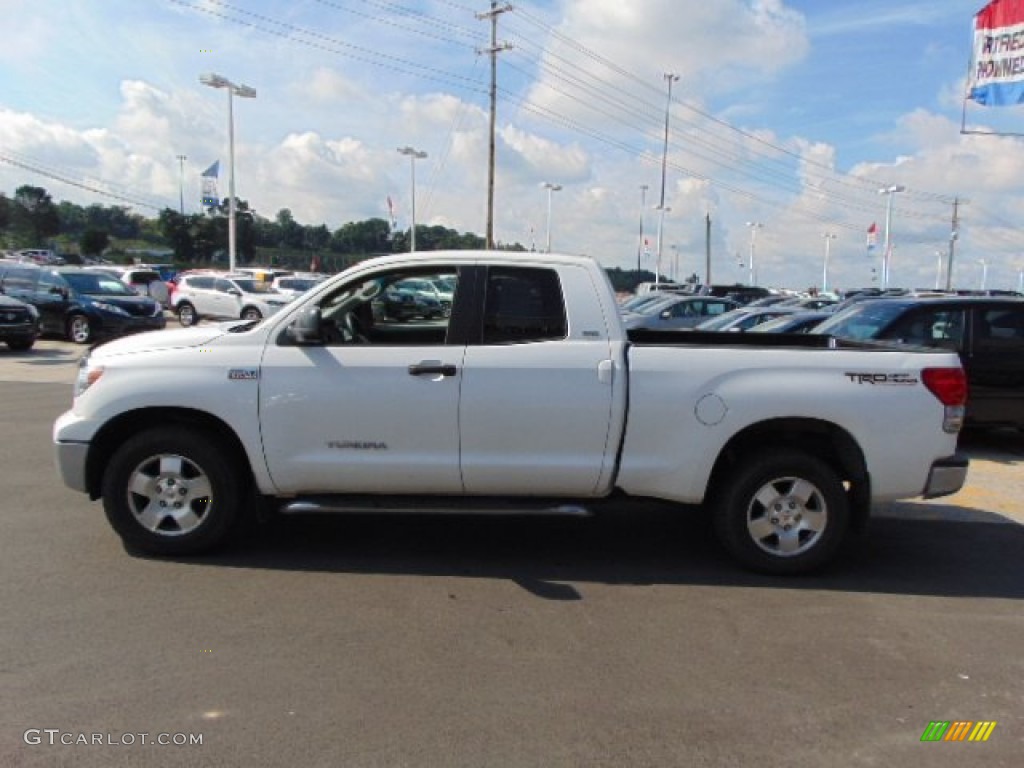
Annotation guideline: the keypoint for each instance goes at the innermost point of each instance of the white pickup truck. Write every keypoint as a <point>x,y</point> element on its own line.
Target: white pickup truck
<point>528,398</point>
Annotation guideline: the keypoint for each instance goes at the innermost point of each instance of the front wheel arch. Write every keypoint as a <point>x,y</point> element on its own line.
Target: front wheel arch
<point>127,424</point>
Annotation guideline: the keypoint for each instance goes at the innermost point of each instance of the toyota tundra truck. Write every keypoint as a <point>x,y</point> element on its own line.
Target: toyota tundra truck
<point>529,397</point>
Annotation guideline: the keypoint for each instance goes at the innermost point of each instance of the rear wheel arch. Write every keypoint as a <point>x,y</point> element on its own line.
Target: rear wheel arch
<point>824,440</point>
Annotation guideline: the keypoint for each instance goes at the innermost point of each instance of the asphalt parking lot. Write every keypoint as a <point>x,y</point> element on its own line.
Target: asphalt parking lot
<point>628,639</point>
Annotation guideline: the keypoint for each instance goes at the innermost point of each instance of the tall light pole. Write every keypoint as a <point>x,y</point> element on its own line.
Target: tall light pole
<point>669,78</point>
<point>829,237</point>
<point>245,92</point>
<point>640,245</point>
<point>754,226</point>
<point>181,182</point>
<point>984,272</point>
<point>661,226</point>
<point>887,251</point>
<point>938,269</point>
<point>413,155</point>
<point>550,188</point>
<point>675,262</point>
<point>1020,280</point>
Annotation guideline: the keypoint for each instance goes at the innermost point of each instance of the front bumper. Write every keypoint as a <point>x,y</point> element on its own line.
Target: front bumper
<point>71,459</point>
<point>71,444</point>
<point>947,476</point>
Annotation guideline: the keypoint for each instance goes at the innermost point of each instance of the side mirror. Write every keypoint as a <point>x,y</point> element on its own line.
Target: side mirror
<point>235,292</point>
<point>306,328</point>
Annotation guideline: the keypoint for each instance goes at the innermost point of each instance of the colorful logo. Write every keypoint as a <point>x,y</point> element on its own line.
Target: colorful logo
<point>958,730</point>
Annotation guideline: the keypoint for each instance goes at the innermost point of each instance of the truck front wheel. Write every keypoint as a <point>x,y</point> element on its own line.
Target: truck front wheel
<point>171,491</point>
<point>784,513</point>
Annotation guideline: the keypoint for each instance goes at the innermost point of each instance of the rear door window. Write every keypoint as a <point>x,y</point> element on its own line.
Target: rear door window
<point>523,304</point>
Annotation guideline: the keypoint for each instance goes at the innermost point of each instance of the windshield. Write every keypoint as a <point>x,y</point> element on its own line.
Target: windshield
<point>864,320</point>
<point>98,284</point>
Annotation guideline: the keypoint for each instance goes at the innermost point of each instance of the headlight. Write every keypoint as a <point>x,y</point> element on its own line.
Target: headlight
<point>88,374</point>
<point>102,305</point>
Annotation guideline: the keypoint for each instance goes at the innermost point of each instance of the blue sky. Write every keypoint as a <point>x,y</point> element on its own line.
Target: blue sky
<point>789,114</point>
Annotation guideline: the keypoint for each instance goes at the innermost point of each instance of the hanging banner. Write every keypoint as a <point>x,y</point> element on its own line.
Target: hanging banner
<point>996,76</point>
<point>392,218</point>
<point>209,189</point>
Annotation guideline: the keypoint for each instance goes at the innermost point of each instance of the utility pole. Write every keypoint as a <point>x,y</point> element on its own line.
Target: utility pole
<point>953,234</point>
<point>493,52</point>
<point>640,245</point>
<point>669,78</point>
<point>707,248</point>
<point>181,182</point>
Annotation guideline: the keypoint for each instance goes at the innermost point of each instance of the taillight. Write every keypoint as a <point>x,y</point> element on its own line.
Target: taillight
<point>947,384</point>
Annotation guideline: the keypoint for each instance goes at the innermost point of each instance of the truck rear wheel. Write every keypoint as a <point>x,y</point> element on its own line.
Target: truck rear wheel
<point>783,513</point>
<point>171,491</point>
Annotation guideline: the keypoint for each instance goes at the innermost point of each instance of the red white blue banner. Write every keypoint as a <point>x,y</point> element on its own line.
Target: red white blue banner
<point>996,77</point>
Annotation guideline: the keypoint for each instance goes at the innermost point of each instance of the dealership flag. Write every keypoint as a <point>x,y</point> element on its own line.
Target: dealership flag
<point>391,214</point>
<point>210,199</point>
<point>996,76</point>
<point>872,236</point>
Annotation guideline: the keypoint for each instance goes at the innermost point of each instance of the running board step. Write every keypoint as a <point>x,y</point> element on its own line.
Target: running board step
<point>360,505</point>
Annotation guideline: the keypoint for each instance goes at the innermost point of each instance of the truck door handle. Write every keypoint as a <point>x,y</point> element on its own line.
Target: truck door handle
<point>431,369</point>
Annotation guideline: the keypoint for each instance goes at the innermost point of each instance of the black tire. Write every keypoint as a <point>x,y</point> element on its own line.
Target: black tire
<point>251,313</point>
<point>20,345</point>
<point>187,314</point>
<point>160,468</point>
<point>782,513</point>
<point>79,329</point>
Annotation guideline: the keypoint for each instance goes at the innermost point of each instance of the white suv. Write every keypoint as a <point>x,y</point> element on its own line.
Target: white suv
<point>224,297</point>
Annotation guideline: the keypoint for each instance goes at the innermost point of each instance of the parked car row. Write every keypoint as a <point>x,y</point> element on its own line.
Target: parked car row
<point>986,331</point>
<point>79,304</point>
<point>224,296</point>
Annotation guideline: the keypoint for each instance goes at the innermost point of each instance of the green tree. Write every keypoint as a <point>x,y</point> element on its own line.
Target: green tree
<point>5,216</point>
<point>176,232</point>
<point>72,219</point>
<point>363,237</point>
<point>93,242</point>
<point>34,217</point>
<point>290,232</point>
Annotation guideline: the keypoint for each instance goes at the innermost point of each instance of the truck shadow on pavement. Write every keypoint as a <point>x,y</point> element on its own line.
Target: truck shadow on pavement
<point>548,556</point>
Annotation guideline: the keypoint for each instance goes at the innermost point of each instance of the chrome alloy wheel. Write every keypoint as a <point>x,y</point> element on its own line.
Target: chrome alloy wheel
<point>787,516</point>
<point>80,329</point>
<point>169,495</point>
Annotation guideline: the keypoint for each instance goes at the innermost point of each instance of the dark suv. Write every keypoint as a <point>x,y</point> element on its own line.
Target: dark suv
<point>987,332</point>
<point>78,304</point>
<point>19,323</point>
